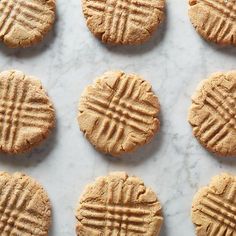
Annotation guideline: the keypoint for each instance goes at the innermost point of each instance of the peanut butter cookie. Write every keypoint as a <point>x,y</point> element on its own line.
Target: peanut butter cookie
<point>213,113</point>
<point>118,113</point>
<point>25,208</point>
<point>24,23</point>
<point>26,112</point>
<point>118,205</point>
<point>123,21</point>
<point>215,20</point>
<point>214,207</point>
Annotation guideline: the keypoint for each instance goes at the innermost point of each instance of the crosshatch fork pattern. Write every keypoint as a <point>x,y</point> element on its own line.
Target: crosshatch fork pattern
<point>119,214</point>
<point>123,115</point>
<point>213,113</point>
<point>18,11</point>
<point>219,209</point>
<point>123,108</point>
<point>117,16</point>
<point>218,21</point>
<point>119,211</point>
<point>23,22</point>
<point>222,106</point>
<point>20,112</point>
<point>225,7</point>
<point>20,206</point>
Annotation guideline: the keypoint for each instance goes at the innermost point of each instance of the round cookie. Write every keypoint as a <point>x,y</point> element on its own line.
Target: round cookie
<point>26,112</point>
<point>118,205</point>
<point>214,20</point>
<point>214,207</point>
<point>118,113</point>
<point>25,208</point>
<point>213,113</point>
<point>123,21</point>
<point>24,23</point>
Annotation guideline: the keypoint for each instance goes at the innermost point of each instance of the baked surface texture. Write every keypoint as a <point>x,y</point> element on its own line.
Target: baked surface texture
<point>123,21</point>
<point>214,207</point>
<point>24,206</point>
<point>26,112</point>
<point>24,23</point>
<point>213,113</point>
<point>215,20</point>
<point>118,205</point>
<point>118,113</point>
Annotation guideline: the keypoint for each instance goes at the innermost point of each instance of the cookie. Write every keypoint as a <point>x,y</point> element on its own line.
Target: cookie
<point>24,23</point>
<point>213,113</point>
<point>214,207</point>
<point>123,21</point>
<point>118,113</point>
<point>118,205</point>
<point>215,20</point>
<point>24,206</point>
<point>26,112</point>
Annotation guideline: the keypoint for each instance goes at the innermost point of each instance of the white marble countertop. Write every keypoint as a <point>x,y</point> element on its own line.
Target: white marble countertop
<point>173,164</point>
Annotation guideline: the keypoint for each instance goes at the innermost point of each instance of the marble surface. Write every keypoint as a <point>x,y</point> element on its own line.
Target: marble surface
<point>173,164</point>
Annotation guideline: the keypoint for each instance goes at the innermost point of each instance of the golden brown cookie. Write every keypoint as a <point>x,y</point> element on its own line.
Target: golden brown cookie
<point>214,207</point>
<point>26,112</point>
<point>25,208</point>
<point>24,23</point>
<point>118,113</point>
<point>213,113</point>
<point>123,21</point>
<point>118,205</point>
<point>215,20</point>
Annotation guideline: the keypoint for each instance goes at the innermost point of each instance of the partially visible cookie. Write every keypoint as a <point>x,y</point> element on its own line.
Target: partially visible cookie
<point>24,23</point>
<point>118,113</point>
<point>123,21</point>
<point>118,205</point>
<point>25,208</point>
<point>213,113</point>
<point>215,20</point>
<point>26,112</point>
<point>214,207</point>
